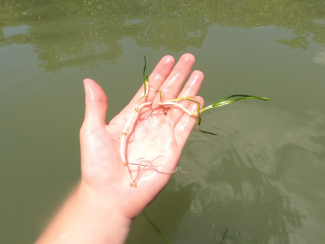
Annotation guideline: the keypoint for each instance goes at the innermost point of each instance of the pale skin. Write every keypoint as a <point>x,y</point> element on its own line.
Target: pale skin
<point>102,207</point>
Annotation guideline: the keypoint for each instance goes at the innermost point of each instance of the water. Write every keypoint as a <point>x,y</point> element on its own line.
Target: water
<point>260,181</point>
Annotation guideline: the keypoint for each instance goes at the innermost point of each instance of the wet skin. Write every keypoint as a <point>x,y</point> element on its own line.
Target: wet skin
<point>157,136</point>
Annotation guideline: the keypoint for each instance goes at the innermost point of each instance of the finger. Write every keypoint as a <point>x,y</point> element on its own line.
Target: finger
<point>156,78</point>
<point>96,105</point>
<point>185,125</point>
<point>191,88</point>
<point>173,84</point>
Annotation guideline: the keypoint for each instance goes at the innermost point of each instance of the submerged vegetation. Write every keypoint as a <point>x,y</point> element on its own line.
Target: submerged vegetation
<point>166,105</point>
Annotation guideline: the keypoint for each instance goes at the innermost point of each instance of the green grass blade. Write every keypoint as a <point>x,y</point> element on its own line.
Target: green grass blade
<point>225,100</point>
<point>199,122</point>
<point>145,78</point>
<point>192,99</point>
<point>156,228</point>
<point>199,119</point>
<point>239,95</point>
<point>207,132</point>
<point>144,68</point>
<point>224,235</point>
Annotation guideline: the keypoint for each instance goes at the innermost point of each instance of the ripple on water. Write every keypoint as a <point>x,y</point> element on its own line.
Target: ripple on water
<point>266,163</point>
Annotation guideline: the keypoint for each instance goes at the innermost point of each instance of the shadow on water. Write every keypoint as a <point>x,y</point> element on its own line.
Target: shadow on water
<point>259,179</point>
<point>85,33</point>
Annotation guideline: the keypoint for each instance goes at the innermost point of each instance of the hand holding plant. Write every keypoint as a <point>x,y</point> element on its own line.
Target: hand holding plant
<point>156,139</point>
<point>128,161</point>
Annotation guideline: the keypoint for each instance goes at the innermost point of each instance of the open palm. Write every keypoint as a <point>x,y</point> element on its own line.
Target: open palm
<point>156,140</point>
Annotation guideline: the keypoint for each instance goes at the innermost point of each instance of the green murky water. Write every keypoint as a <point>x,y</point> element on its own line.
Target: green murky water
<point>260,181</point>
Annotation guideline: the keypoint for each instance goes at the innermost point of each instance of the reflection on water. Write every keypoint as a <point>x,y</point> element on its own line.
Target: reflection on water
<point>259,181</point>
<point>255,177</point>
<point>319,57</point>
<point>17,30</point>
<point>69,33</point>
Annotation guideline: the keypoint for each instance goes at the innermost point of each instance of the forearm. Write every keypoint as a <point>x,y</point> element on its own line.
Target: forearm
<point>84,219</point>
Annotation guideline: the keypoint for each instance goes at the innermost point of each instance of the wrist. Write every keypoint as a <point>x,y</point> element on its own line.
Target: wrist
<point>84,219</point>
<point>105,223</point>
<point>99,207</point>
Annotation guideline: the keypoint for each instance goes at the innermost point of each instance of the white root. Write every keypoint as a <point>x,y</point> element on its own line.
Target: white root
<point>129,127</point>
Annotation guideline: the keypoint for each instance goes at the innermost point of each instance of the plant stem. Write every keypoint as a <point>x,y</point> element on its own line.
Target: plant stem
<point>173,102</point>
<point>123,140</point>
<point>128,128</point>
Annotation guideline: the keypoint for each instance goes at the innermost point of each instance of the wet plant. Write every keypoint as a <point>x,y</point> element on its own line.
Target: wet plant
<point>166,105</point>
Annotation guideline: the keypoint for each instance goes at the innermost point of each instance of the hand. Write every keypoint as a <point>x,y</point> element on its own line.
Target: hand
<point>100,210</point>
<point>157,136</point>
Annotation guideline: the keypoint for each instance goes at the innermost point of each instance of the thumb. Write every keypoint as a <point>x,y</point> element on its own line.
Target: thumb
<point>96,104</point>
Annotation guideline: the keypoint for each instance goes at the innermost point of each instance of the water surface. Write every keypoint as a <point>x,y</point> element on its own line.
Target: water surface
<point>259,181</point>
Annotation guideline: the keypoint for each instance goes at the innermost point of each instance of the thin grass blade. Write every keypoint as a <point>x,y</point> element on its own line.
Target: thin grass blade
<point>243,97</point>
<point>156,228</point>
<point>207,132</point>
<point>144,68</point>
<point>199,119</point>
